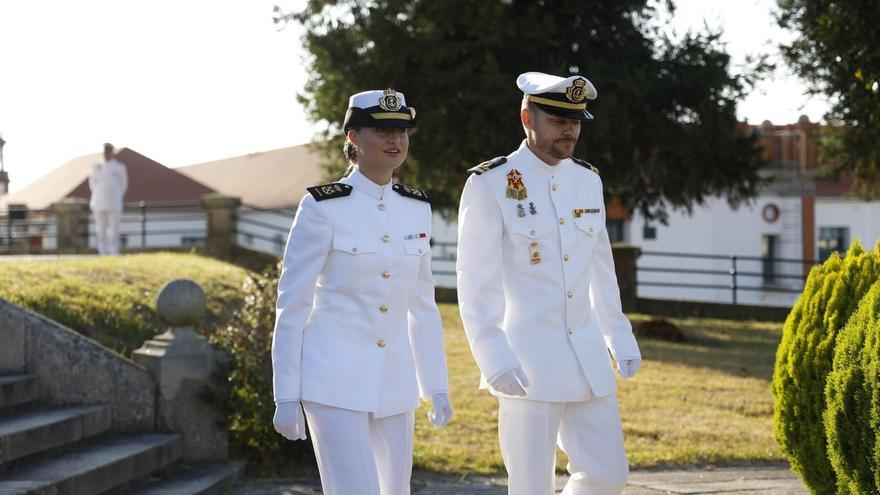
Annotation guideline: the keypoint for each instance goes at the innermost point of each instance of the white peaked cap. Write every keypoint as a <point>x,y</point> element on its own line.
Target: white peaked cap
<point>367,99</point>
<point>535,83</point>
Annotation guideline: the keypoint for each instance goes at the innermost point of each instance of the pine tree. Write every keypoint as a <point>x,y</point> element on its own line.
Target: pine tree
<point>852,395</point>
<point>804,359</point>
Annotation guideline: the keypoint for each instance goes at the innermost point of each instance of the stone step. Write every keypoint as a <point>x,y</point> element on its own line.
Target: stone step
<point>30,432</point>
<point>17,390</point>
<point>95,467</point>
<point>194,479</point>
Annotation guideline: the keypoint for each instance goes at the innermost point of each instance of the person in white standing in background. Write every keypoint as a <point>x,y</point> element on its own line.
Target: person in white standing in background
<point>539,299</point>
<point>358,336</point>
<point>108,182</point>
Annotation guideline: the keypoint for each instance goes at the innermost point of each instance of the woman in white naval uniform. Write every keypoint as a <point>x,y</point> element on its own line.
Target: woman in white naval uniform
<point>358,336</point>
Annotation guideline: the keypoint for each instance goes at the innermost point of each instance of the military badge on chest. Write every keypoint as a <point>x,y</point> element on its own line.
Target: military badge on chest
<point>515,187</point>
<point>579,212</point>
<point>534,253</point>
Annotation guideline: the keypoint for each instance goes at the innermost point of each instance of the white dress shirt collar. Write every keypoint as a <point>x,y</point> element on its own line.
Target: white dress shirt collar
<point>361,183</point>
<point>525,155</point>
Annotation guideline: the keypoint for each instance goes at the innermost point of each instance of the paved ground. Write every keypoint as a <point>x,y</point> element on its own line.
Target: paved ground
<point>758,480</point>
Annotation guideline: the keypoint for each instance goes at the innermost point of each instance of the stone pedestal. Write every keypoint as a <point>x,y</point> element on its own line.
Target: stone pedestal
<point>185,365</point>
<point>625,258</point>
<point>221,218</point>
<point>72,225</point>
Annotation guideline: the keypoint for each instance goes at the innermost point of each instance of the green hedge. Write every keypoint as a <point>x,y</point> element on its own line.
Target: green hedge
<point>804,359</point>
<point>852,417</point>
<point>249,401</point>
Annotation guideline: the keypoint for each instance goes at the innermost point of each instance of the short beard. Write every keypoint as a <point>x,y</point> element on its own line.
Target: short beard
<point>550,148</point>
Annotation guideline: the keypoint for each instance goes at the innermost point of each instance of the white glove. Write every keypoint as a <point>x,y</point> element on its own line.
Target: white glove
<point>511,382</point>
<point>628,367</point>
<point>442,412</point>
<point>289,420</point>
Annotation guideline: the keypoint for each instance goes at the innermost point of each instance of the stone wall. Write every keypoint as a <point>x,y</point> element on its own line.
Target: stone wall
<point>73,369</point>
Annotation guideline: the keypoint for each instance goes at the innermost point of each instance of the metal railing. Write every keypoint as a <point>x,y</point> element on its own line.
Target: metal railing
<point>770,277</point>
<point>264,229</point>
<point>37,230</point>
<point>445,255</point>
<point>156,219</point>
<point>25,230</point>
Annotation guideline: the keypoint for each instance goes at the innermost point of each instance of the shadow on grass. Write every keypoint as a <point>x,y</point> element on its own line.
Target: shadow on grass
<point>739,348</point>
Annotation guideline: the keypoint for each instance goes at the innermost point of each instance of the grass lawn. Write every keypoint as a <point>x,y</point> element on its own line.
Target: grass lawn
<point>704,401</point>
<point>113,299</point>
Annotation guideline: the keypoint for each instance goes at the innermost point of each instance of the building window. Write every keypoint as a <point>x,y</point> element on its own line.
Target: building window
<point>615,230</point>
<point>279,243</point>
<point>832,239</point>
<point>123,241</point>
<point>249,239</point>
<point>769,245</point>
<point>649,232</point>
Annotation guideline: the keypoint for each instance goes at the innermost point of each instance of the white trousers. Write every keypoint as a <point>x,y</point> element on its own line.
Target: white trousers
<point>589,432</point>
<point>107,232</point>
<point>360,454</point>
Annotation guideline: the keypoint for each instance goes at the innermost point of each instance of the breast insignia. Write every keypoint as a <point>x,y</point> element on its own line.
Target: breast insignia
<point>488,165</point>
<point>585,164</point>
<point>411,192</point>
<point>329,191</point>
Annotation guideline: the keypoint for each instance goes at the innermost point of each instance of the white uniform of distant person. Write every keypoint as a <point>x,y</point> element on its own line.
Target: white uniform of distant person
<point>539,299</point>
<point>358,336</point>
<point>108,182</point>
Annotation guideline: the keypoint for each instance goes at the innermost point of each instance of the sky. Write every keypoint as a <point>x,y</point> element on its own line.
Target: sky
<point>185,82</point>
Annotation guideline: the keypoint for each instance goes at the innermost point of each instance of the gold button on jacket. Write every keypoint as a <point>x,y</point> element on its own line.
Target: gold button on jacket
<point>334,312</point>
<point>513,266</point>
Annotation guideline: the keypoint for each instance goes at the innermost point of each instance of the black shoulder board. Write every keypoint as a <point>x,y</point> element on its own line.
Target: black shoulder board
<point>585,164</point>
<point>329,191</point>
<point>488,165</point>
<point>411,192</point>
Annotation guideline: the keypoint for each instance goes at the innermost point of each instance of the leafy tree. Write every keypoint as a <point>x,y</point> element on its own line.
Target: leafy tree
<point>838,53</point>
<point>665,132</point>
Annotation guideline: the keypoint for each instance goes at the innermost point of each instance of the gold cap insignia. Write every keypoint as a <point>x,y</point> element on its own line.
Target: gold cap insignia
<point>389,101</point>
<point>576,91</point>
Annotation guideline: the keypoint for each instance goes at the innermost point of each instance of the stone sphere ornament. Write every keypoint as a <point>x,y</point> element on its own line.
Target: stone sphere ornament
<point>181,303</point>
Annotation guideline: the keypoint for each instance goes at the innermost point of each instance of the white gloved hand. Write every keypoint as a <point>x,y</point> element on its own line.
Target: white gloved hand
<point>442,412</point>
<point>513,382</point>
<point>628,367</point>
<point>289,420</point>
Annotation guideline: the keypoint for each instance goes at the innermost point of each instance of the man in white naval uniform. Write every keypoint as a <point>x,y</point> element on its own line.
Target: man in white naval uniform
<point>107,181</point>
<point>539,299</point>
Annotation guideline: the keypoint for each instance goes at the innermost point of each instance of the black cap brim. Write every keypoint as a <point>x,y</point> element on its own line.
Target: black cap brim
<point>377,117</point>
<point>566,113</point>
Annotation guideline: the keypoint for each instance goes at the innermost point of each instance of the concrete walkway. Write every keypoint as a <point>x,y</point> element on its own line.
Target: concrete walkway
<point>756,480</point>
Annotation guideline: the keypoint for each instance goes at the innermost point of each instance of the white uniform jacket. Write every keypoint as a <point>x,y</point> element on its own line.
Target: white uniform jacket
<point>356,324</point>
<point>108,182</point>
<point>536,281</point>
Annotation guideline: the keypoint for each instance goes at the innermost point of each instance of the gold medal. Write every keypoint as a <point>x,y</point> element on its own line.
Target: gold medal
<point>534,253</point>
<point>515,187</point>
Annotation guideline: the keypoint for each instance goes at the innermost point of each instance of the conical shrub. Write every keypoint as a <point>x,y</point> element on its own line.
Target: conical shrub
<point>804,359</point>
<point>852,395</point>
